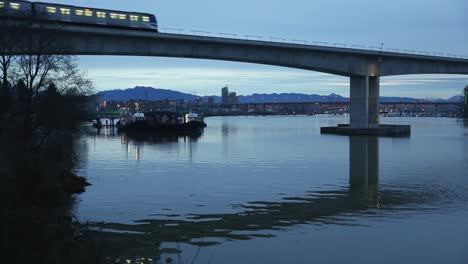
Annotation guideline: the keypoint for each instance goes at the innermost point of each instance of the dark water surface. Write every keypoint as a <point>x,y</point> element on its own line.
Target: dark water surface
<point>273,190</point>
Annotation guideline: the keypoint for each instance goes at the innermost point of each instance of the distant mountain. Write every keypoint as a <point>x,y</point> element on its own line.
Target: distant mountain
<point>153,94</point>
<point>456,99</point>
<point>385,99</point>
<point>144,93</point>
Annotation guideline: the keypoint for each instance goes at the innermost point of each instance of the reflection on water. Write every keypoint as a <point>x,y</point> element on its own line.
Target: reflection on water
<point>258,218</point>
<point>364,169</point>
<point>350,204</point>
<point>228,129</point>
<point>135,142</point>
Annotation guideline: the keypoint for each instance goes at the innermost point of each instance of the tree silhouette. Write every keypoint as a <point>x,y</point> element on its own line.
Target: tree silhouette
<point>42,96</point>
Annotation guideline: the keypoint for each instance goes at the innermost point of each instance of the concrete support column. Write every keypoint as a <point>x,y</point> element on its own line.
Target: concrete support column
<point>374,101</point>
<point>359,101</point>
<point>364,105</point>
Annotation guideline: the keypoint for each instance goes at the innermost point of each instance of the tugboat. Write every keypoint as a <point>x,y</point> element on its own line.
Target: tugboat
<point>194,119</point>
<point>163,123</point>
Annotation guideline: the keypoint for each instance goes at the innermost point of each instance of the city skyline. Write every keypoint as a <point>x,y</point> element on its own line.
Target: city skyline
<point>429,25</point>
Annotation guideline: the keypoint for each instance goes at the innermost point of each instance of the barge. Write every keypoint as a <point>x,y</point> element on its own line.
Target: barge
<point>162,123</point>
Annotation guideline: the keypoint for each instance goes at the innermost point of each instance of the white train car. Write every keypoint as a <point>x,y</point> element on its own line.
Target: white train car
<point>75,14</point>
<point>78,15</point>
<point>15,8</point>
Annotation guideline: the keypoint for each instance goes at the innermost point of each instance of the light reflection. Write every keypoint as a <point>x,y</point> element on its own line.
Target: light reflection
<point>137,152</point>
<point>105,134</point>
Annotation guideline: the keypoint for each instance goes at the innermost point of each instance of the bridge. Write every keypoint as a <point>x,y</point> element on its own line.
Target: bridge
<point>338,103</point>
<point>363,67</point>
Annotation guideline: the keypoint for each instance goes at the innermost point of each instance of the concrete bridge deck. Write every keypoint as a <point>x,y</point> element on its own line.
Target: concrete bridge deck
<point>74,39</point>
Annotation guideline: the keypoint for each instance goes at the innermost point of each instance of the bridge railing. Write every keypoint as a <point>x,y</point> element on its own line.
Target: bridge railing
<point>306,42</point>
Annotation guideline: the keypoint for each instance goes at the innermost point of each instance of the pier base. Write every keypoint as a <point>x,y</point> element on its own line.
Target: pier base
<point>364,111</point>
<point>381,130</point>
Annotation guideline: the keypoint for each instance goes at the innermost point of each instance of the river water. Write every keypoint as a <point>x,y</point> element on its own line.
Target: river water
<point>274,190</point>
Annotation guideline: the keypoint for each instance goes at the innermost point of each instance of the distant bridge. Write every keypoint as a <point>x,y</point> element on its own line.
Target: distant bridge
<point>338,103</point>
<point>329,107</point>
<point>364,67</point>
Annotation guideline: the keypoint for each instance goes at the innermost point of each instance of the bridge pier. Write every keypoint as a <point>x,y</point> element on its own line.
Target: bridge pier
<point>364,101</point>
<point>364,111</point>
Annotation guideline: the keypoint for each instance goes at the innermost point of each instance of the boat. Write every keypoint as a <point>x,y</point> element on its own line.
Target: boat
<point>194,118</point>
<point>163,123</point>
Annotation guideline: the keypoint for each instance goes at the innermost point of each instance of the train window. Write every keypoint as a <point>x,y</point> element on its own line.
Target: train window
<point>101,14</point>
<point>122,16</point>
<point>88,12</point>
<point>145,19</point>
<point>14,6</point>
<point>79,12</point>
<point>65,11</point>
<point>52,10</point>
<point>2,5</point>
<point>133,18</point>
<point>114,15</point>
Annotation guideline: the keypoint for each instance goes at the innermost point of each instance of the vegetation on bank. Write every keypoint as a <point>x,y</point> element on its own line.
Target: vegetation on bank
<point>41,102</point>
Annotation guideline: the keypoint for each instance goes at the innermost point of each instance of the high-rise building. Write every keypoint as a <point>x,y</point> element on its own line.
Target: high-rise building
<point>225,95</point>
<point>465,112</point>
<point>233,99</point>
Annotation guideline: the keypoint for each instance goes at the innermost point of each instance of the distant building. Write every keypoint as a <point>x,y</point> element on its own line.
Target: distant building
<point>199,100</point>
<point>225,95</point>
<point>466,95</point>
<point>465,112</point>
<point>233,99</point>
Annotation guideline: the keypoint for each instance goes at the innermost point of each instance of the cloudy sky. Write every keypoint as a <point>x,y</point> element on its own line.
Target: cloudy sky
<point>427,25</point>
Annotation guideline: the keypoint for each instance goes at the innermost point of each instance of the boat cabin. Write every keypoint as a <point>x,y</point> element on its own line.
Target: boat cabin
<point>191,117</point>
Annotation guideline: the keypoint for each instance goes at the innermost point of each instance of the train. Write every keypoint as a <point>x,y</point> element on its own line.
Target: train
<point>77,15</point>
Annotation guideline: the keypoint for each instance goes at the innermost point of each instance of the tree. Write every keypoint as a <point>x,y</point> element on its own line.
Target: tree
<point>37,160</point>
<point>33,72</point>
<point>12,42</point>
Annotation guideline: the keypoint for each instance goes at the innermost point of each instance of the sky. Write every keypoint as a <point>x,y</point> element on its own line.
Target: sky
<point>426,25</point>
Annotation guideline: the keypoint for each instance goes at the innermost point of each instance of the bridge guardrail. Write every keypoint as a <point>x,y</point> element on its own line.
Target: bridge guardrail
<point>307,42</point>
